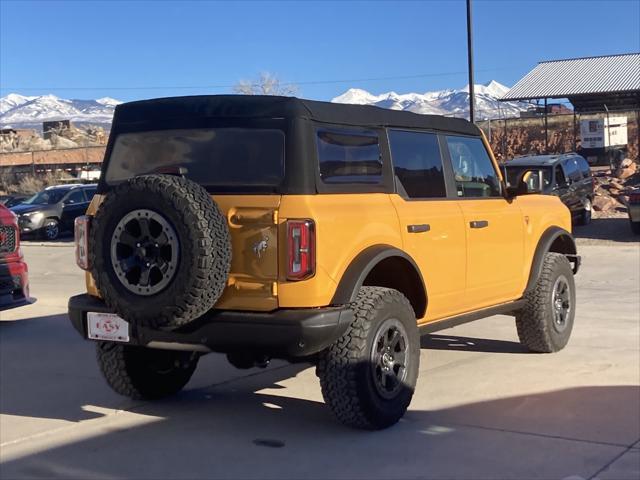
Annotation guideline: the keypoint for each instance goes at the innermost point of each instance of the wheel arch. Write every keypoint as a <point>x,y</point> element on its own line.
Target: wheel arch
<point>383,266</point>
<point>557,240</point>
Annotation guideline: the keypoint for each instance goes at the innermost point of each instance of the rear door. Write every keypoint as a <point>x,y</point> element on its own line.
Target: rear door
<point>74,205</point>
<point>586,184</point>
<point>574,180</point>
<point>432,226</point>
<point>494,226</point>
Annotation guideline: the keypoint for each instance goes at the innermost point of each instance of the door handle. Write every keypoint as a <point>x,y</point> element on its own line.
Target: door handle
<point>479,224</point>
<point>418,228</point>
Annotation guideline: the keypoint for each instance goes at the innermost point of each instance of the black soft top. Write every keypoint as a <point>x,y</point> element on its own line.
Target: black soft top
<point>150,112</point>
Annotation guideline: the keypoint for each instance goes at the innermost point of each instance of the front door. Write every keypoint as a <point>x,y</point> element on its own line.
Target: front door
<point>432,226</point>
<point>494,226</point>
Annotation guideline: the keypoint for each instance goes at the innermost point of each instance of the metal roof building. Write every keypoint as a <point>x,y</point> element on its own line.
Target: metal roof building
<point>591,84</point>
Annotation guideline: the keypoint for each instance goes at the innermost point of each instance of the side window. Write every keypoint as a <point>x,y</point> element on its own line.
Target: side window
<point>584,167</point>
<point>90,192</point>
<point>474,172</point>
<point>571,170</point>
<point>76,196</point>
<point>349,156</point>
<point>560,178</point>
<point>417,163</point>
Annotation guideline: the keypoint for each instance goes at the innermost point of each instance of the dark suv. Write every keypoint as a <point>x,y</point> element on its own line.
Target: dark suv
<point>54,209</point>
<point>567,176</point>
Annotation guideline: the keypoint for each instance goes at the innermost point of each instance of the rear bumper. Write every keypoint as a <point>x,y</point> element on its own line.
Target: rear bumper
<point>282,333</point>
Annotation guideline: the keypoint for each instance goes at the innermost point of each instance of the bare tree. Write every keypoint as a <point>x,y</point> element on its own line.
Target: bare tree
<point>266,84</point>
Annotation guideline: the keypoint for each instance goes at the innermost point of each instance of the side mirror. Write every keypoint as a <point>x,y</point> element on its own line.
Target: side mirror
<point>529,182</point>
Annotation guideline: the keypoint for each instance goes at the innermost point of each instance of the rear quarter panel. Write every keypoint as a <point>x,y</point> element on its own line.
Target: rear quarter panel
<point>346,224</point>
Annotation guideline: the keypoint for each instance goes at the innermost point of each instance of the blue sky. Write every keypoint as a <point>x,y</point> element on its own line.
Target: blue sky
<point>132,50</point>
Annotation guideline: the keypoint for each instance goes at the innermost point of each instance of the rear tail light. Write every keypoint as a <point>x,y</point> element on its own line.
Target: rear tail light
<point>301,258</point>
<point>634,198</point>
<point>81,232</point>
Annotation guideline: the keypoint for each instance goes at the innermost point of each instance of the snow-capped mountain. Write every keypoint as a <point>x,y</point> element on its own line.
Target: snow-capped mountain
<point>13,100</point>
<point>29,112</point>
<point>442,102</point>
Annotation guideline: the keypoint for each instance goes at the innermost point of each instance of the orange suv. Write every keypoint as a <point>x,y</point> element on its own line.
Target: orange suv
<point>272,227</point>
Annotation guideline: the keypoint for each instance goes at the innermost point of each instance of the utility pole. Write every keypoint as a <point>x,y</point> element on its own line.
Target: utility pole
<point>472,97</point>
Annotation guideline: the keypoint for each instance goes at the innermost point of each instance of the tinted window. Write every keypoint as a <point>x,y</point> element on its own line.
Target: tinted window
<point>474,172</point>
<point>76,196</point>
<point>349,156</point>
<point>560,178</point>
<point>583,166</point>
<point>417,163</point>
<point>571,170</point>
<point>213,157</point>
<point>90,192</point>
<point>47,197</point>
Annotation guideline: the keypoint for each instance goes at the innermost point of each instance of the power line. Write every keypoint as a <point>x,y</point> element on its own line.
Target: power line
<point>308,82</point>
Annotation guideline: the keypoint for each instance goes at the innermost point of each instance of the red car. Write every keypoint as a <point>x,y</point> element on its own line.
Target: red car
<point>14,281</point>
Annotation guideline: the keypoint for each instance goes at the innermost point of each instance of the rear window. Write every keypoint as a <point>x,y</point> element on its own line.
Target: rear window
<point>584,167</point>
<point>571,170</point>
<point>349,156</point>
<point>222,158</point>
<point>417,163</point>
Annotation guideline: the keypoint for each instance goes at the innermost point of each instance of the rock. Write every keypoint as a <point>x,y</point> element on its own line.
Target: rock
<point>625,170</point>
<point>603,203</point>
<point>616,183</point>
<point>626,162</point>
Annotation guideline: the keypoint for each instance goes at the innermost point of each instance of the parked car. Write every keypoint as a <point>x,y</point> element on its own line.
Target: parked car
<point>567,176</point>
<point>13,199</point>
<point>14,281</point>
<point>309,231</point>
<point>633,205</point>
<point>54,209</point>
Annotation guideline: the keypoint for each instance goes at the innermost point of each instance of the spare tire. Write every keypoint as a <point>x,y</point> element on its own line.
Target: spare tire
<point>161,250</point>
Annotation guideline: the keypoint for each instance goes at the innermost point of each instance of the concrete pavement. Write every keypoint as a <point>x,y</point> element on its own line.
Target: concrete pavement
<point>484,408</point>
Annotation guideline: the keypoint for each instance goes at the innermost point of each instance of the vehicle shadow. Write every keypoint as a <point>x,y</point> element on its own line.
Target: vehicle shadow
<point>248,425</point>
<point>613,229</point>
<point>244,433</point>
<point>468,344</point>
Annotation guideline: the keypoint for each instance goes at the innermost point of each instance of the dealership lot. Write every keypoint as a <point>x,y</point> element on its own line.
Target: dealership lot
<point>484,408</point>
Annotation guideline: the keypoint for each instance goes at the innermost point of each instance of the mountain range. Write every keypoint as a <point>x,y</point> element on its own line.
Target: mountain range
<point>450,102</point>
<point>22,111</point>
<point>30,111</point>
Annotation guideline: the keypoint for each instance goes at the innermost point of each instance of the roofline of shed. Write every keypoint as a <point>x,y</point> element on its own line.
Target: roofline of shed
<point>586,94</point>
<point>586,58</point>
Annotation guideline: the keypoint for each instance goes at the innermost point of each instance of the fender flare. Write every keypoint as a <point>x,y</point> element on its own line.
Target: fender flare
<point>357,271</point>
<point>547,239</point>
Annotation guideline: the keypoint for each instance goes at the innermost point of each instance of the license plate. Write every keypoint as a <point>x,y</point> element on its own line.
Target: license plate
<point>107,326</point>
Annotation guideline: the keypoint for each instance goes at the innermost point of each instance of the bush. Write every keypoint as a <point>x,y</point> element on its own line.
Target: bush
<point>31,183</point>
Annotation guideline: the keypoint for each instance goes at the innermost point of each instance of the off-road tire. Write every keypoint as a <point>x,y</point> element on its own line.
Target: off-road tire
<point>344,368</point>
<point>585,214</point>
<point>535,321</point>
<point>635,227</point>
<point>144,373</point>
<point>204,250</point>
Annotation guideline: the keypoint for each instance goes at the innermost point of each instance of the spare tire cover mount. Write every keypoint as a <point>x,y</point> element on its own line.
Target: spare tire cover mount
<point>144,252</point>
